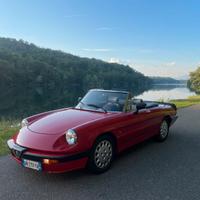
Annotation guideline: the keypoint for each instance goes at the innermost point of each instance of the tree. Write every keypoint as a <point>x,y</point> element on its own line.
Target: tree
<point>194,81</point>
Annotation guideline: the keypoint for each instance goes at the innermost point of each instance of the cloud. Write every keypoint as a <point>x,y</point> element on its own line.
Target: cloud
<point>120,61</point>
<point>104,28</point>
<point>170,64</point>
<point>158,70</point>
<point>114,60</point>
<point>152,68</point>
<point>97,50</point>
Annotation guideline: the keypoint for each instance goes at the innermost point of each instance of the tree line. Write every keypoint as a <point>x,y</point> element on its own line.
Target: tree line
<point>194,81</point>
<point>166,80</point>
<point>34,79</point>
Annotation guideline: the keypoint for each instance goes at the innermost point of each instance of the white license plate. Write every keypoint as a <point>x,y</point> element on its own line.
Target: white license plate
<point>32,164</point>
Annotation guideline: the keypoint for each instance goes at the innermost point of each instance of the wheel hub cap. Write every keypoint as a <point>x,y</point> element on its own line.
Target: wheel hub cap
<point>103,154</point>
<point>164,129</point>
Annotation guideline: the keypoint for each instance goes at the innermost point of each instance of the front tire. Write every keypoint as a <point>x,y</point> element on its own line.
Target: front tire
<point>164,131</point>
<point>102,155</point>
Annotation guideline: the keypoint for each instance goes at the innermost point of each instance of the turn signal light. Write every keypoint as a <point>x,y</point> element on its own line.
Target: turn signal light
<point>49,161</point>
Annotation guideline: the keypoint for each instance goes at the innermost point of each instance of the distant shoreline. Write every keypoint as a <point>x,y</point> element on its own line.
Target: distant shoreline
<point>170,84</point>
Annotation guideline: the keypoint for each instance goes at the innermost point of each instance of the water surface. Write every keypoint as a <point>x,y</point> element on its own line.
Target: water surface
<point>166,92</point>
<point>19,104</point>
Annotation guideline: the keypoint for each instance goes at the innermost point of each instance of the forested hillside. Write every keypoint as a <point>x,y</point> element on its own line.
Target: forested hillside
<point>34,79</point>
<point>166,80</point>
<point>194,81</point>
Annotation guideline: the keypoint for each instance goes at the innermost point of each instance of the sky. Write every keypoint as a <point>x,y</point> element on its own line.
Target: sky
<point>155,37</point>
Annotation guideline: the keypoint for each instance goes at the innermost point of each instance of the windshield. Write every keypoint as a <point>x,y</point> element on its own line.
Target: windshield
<point>103,101</point>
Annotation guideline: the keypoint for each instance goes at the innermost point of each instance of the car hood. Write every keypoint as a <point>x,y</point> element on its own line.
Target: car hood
<point>61,121</point>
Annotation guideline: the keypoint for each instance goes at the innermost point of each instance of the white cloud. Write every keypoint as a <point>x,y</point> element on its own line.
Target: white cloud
<point>119,61</point>
<point>114,60</point>
<point>170,64</point>
<point>97,50</point>
<point>153,68</point>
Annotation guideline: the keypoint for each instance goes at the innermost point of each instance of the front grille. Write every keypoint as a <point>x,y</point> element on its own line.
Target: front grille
<point>31,157</point>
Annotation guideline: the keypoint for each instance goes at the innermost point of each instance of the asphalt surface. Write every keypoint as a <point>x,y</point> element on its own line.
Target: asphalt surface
<point>169,170</point>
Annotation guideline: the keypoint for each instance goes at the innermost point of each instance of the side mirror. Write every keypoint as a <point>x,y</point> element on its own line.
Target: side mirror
<point>140,105</point>
<point>134,108</point>
<point>79,99</point>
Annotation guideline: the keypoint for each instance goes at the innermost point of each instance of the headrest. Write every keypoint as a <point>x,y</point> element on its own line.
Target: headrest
<point>113,99</point>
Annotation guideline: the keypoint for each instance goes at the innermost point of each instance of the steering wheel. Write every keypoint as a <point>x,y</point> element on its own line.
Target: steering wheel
<point>112,106</point>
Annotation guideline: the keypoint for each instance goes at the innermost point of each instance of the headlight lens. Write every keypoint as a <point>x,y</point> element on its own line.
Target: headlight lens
<point>24,123</point>
<point>71,137</point>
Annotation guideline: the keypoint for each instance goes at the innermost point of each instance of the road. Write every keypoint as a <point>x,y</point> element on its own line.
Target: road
<point>169,170</point>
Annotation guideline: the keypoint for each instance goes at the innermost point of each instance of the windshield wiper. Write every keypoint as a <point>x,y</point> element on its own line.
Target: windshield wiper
<point>98,107</point>
<point>93,105</point>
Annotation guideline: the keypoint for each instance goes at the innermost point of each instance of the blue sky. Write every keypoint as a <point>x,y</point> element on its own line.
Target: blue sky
<point>155,37</point>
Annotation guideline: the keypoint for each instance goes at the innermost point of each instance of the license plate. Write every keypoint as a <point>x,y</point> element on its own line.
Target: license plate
<point>32,164</point>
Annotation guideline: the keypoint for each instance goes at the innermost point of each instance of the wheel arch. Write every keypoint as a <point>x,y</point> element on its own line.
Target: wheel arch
<point>168,119</point>
<point>111,135</point>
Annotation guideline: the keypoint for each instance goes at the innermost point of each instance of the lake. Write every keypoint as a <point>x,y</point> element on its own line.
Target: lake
<point>19,104</point>
<point>166,92</point>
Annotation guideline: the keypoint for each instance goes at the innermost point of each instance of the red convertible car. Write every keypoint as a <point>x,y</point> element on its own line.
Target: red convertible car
<point>103,124</point>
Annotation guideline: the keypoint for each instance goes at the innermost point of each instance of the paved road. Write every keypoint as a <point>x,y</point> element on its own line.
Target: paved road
<point>169,170</point>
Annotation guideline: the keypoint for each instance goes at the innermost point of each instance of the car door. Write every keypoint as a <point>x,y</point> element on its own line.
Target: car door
<point>137,126</point>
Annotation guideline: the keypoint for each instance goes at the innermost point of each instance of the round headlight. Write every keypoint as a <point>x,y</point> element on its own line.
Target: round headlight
<point>24,123</point>
<point>71,137</point>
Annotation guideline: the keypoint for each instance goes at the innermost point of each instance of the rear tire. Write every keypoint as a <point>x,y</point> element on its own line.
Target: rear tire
<point>102,155</point>
<point>164,131</point>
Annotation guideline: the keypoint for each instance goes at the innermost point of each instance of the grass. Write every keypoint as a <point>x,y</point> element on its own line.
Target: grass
<point>181,103</point>
<point>7,129</point>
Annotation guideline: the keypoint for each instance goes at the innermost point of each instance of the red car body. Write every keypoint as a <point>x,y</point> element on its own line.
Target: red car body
<point>43,139</point>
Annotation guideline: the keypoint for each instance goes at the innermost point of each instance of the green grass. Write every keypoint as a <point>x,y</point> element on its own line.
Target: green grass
<point>181,103</point>
<point>7,129</point>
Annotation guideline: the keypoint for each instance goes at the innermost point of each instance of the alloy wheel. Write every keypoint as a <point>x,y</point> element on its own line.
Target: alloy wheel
<point>103,154</point>
<point>164,129</point>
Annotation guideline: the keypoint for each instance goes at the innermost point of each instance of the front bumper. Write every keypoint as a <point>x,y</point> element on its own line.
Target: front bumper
<point>63,162</point>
